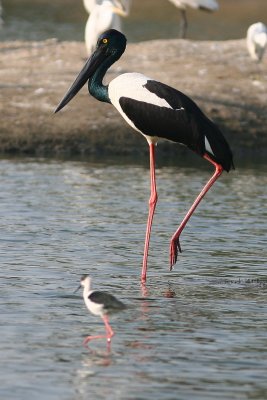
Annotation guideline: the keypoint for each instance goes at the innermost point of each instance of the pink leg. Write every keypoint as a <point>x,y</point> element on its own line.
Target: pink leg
<point>109,331</point>
<point>152,205</point>
<point>175,243</point>
<point>108,335</point>
<point>88,338</point>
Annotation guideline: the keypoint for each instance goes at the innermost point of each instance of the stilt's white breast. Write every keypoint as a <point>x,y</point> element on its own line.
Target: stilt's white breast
<point>94,308</point>
<point>132,85</point>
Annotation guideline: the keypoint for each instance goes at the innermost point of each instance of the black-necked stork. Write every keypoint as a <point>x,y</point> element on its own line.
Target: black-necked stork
<point>101,304</point>
<point>156,111</point>
<point>205,5</point>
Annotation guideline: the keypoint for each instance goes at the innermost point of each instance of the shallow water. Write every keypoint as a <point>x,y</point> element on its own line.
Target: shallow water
<point>149,19</point>
<point>196,332</point>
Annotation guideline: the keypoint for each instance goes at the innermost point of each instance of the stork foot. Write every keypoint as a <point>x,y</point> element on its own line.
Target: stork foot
<point>175,248</point>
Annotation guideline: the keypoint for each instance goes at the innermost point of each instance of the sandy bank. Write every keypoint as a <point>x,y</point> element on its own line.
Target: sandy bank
<point>34,76</point>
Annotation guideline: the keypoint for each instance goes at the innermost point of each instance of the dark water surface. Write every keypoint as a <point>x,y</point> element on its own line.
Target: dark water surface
<point>149,19</point>
<point>198,332</point>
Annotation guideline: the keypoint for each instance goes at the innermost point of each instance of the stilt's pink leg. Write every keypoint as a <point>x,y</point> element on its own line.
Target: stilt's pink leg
<point>109,331</point>
<point>108,335</point>
<point>175,243</point>
<point>152,205</point>
<point>89,338</point>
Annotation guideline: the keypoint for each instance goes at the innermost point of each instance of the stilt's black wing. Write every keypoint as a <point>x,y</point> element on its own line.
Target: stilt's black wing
<point>109,302</point>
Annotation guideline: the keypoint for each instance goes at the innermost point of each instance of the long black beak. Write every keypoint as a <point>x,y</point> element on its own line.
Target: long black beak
<point>78,288</point>
<point>91,65</point>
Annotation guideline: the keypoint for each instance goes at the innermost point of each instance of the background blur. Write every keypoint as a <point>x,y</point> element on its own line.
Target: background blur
<point>149,19</point>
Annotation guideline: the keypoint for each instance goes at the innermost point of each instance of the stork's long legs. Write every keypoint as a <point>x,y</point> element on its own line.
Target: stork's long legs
<point>175,244</point>
<point>152,205</point>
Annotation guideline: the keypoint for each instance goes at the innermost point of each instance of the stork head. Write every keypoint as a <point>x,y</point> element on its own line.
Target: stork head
<point>110,46</point>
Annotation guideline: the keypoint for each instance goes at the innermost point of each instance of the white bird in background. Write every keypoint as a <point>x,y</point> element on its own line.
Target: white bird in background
<point>257,40</point>
<point>104,14</point>
<point>89,4</point>
<point>205,5</point>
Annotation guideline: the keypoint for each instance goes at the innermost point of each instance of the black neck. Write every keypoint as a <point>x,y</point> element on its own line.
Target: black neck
<point>95,83</point>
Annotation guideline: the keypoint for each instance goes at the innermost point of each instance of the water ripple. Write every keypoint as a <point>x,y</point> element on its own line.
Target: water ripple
<point>198,332</point>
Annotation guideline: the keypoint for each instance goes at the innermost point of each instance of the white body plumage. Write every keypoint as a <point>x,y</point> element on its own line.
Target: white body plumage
<point>210,5</point>
<point>257,40</point>
<point>98,302</point>
<point>104,14</point>
<point>132,85</point>
<point>94,308</point>
<point>89,4</point>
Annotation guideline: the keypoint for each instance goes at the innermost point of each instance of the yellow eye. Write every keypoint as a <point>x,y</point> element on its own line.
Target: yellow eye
<point>105,40</point>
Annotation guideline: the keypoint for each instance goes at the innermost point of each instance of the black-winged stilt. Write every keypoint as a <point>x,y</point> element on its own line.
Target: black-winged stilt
<point>101,304</point>
<point>156,111</point>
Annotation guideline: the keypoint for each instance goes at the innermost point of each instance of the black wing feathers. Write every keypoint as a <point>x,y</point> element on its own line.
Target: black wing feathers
<point>156,121</point>
<point>201,125</point>
<point>108,300</point>
<point>183,123</point>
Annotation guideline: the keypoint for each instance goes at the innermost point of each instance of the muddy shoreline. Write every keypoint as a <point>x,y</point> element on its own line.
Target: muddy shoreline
<point>219,76</point>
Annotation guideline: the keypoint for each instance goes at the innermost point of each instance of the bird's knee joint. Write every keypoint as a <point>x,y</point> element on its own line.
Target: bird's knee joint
<point>153,200</point>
